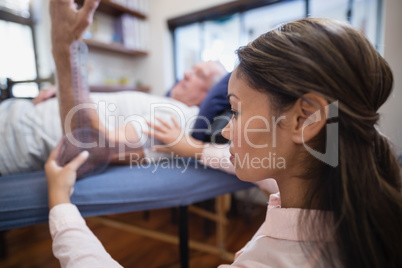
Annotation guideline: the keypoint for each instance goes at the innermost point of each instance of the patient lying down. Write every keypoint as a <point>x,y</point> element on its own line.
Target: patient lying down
<point>115,122</point>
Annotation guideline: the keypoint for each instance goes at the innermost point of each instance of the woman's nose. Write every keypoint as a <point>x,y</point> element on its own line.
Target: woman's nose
<point>227,130</point>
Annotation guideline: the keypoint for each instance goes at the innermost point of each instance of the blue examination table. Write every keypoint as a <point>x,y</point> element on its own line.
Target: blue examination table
<point>120,189</point>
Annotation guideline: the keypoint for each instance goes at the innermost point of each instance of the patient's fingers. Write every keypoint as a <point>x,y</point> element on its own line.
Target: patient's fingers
<point>166,125</point>
<point>154,134</point>
<point>78,160</point>
<point>161,149</point>
<point>86,15</point>
<point>176,125</point>
<point>155,127</point>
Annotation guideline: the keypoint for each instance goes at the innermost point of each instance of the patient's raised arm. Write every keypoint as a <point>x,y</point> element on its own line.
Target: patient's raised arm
<point>68,26</point>
<point>81,125</point>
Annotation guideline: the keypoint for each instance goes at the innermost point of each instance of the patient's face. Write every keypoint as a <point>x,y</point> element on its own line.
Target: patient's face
<point>193,88</point>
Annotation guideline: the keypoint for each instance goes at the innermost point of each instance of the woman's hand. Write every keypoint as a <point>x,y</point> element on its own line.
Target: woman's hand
<point>61,180</point>
<point>175,139</point>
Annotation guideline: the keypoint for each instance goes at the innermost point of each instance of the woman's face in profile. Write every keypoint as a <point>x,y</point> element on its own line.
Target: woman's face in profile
<point>259,147</point>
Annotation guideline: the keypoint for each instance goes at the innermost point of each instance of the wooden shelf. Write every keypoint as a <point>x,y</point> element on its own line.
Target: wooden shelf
<point>115,10</point>
<point>116,88</point>
<point>114,47</point>
<point>108,7</point>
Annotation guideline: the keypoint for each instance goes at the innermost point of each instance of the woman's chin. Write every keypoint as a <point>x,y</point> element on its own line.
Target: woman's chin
<point>255,175</point>
<point>246,175</point>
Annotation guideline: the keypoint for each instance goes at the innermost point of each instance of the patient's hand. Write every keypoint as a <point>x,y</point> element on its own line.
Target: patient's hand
<point>68,23</point>
<point>61,180</point>
<point>45,94</point>
<point>175,139</point>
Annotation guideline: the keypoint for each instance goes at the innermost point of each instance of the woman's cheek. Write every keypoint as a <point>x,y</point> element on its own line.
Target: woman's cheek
<point>237,143</point>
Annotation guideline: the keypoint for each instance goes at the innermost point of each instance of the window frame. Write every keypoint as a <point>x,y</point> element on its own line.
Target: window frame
<point>241,6</point>
<point>218,12</point>
<point>11,17</point>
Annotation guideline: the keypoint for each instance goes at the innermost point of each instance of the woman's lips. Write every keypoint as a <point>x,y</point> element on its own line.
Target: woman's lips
<point>232,157</point>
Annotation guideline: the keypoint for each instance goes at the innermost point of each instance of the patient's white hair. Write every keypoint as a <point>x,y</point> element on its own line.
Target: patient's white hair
<point>218,71</point>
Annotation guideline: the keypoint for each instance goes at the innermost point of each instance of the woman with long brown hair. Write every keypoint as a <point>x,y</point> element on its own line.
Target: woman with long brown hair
<point>343,179</point>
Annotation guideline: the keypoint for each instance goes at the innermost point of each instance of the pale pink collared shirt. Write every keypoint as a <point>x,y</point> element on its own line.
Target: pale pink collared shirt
<point>276,243</point>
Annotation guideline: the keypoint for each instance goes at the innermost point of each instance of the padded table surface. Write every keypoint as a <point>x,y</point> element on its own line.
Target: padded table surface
<point>23,197</point>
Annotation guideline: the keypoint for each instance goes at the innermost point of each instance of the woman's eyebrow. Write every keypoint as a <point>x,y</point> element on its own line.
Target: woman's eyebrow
<point>232,95</point>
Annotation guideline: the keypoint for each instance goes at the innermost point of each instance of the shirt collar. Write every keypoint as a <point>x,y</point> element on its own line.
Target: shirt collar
<point>282,223</point>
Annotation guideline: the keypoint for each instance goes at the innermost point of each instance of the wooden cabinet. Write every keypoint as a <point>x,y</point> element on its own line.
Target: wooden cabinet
<point>114,47</point>
<point>106,88</point>
<point>115,11</point>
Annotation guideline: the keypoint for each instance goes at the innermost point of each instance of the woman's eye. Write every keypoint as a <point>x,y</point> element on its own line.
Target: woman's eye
<point>234,113</point>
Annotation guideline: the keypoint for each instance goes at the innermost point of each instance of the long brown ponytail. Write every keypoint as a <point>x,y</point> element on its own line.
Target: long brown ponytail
<point>364,191</point>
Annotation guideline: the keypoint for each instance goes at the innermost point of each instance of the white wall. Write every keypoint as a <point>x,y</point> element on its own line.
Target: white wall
<point>391,119</point>
<point>160,61</point>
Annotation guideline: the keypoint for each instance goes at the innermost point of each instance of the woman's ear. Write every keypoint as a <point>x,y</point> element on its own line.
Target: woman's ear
<point>309,118</point>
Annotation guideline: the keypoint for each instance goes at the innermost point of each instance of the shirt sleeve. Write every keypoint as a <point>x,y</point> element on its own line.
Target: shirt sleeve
<point>74,244</point>
<point>217,157</point>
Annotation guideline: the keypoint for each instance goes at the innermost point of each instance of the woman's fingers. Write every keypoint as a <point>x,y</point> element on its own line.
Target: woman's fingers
<point>78,160</point>
<point>55,151</point>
